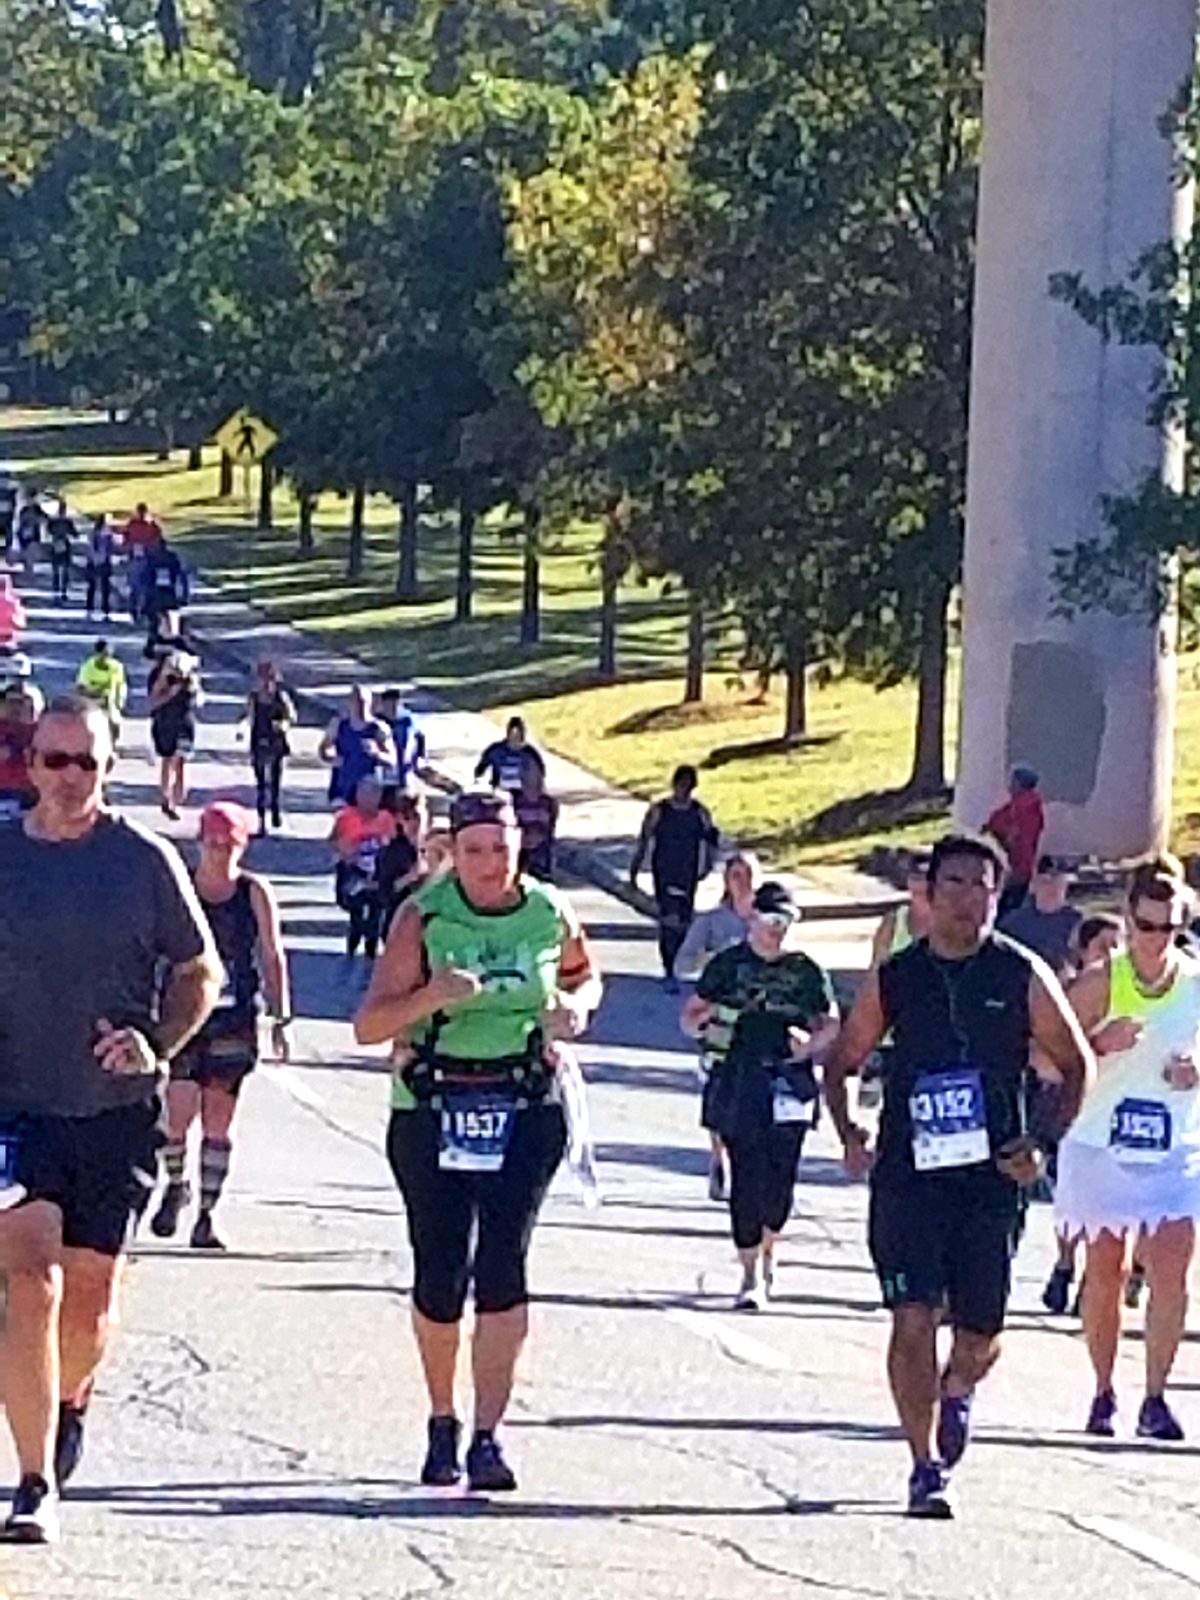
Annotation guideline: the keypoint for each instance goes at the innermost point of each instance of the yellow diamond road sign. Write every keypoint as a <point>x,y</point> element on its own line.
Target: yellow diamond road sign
<point>246,438</point>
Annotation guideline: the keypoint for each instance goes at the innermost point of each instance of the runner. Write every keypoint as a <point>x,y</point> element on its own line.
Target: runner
<point>164,583</point>
<point>271,713</point>
<point>964,1007</point>
<point>91,907</point>
<point>356,745</point>
<point>13,617</point>
<point>537,818</point>
<point>399,869</point>
<point>1018,825</point>
<point>101,554</point>
<point>18,713</point>
<point>9,491</point>
<point>482,971</point>
<point>1046,923</point>
<point>775,1011</point>
<point>408,742</point>
<point>727,924</point>
<point>208,1073</point>
<point>360,832</point>
<point>101,677</point>
<point>1097,938</point>
<point>62,534</point>
<point>906,923</point>
<point>505,762</point>
<point>681,840</point>
<point>175,697</point>
<point>30,523</point>
<point>1130,1163</point>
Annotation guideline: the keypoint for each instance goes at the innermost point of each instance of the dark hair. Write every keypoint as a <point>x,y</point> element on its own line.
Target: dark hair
<point>1092,927</point>
<point>100,645</point>
<point>1160,878</point>
<point>967,844</point>
<point>475,806</point>
<point>686,774</point>
<point>515,725</point>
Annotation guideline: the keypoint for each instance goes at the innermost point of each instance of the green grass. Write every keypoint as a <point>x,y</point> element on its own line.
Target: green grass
<point>800,806</point>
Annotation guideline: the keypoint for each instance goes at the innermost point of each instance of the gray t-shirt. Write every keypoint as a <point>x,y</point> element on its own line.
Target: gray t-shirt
<point>86,927</point>
<point>1047,933</point>
<point>711,932</point>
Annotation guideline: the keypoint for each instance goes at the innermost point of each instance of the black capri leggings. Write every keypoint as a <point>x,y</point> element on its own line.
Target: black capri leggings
<point>445,1208</point>
<point>762,1174</point>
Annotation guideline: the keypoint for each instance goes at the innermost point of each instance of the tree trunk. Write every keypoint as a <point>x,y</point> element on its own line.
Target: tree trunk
<point>225,484</point>
<point>531,580</point>
<point>610,576</point>
<point>408,585</point>
<point>307,544</point>
<point>464,593</point>
<point>929,764</point>
<point>266,489</point>
<point>166,441</point>
<point>195,457</point>
<point>358,518</point>
<point>693,692</point>
<point>795,722</point>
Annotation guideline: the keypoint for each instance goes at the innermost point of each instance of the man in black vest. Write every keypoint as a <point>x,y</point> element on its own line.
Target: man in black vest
<point>967,1009</point>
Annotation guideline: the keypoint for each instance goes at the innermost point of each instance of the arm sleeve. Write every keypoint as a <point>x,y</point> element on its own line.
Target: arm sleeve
<point>181,931</point>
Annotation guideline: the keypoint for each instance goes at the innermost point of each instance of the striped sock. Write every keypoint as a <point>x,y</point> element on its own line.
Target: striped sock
<point>175,1161</point>
<point>214,1169</point>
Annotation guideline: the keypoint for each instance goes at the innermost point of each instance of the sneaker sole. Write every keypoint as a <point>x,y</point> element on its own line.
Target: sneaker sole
<point>1161,1438</point>
<point>28,1533</point>
<point>478,1487</point>
<point>441,1480</point>
<point>932,1511</point>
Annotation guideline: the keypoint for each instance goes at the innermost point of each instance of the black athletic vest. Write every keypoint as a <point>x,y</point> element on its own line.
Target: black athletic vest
<point>235,929</point>
<point>947,1014</point>
<point>678,835</point>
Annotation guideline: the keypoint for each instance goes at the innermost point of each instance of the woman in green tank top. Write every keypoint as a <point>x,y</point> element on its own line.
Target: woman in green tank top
<point>483,971</point>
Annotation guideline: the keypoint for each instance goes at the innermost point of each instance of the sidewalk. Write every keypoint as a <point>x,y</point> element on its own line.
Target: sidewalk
<point>598,824</point>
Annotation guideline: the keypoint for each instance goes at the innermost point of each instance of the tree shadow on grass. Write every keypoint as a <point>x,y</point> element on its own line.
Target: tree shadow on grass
<point>755,749</point>
<point>676,715</point>
<point>869,813</point>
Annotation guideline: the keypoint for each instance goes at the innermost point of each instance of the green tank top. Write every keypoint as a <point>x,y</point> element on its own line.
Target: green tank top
<point>515,954</point>
<point>1126,998</point>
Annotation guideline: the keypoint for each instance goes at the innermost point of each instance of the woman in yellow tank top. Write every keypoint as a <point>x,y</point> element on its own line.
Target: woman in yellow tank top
<point>1130,1163</point>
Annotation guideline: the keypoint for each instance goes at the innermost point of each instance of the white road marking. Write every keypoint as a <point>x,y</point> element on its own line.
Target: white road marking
<point>295,1084</point>
<point>739,1346</point>
<point>1169,1557</point>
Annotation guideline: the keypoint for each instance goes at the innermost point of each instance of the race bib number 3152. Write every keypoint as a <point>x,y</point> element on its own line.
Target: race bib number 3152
<point>949,1120</point>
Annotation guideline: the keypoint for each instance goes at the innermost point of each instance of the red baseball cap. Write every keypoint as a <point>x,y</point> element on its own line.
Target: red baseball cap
<point>226,819</point>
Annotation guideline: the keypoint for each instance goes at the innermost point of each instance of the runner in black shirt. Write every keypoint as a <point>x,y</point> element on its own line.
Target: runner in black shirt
<point>964,1006</point>
<point>61,531</point>
<point>681,839</point>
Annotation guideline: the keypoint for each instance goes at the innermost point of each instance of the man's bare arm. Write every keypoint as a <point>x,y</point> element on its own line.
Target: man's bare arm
<point>860,1035</point>
<point>192,991</point>
<point>1060,1042</point>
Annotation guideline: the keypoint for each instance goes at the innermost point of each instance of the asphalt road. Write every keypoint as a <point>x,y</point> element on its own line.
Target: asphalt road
<point>259,1426</point>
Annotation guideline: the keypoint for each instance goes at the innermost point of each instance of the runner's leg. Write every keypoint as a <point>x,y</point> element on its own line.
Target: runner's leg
<point>217,1108</point>
<point>913,1375</point>
<point>1167,1256</point>
<point>88,1315</point>
<point>1104,1279</point>
<point>31,1250</point>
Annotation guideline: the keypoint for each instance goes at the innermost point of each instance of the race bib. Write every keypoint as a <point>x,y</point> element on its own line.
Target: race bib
<point>787,1108</point>
<point>1140,1130</point>
<point>365,857</point>
<point>949,1120</point>
<point>164,580</point>
<point>476,1131</point>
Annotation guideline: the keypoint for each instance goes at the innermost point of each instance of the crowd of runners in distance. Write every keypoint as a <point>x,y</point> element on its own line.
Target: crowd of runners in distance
<point>1005,1044</point>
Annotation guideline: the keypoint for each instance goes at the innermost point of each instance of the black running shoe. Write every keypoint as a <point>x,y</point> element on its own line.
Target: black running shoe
<point>34,1515</point>
<point>1056,1296</point>
<point>165,1220</point>
<point>203,1235</point>
<point>486,1466</point>
<point>68,1445</point>
<point>442,1468</point>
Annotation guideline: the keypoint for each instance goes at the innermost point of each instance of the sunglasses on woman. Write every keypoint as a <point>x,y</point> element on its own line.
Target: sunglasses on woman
<point>60,760</point>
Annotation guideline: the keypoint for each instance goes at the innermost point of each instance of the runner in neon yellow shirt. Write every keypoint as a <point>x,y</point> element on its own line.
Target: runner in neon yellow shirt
<point>102,678</point>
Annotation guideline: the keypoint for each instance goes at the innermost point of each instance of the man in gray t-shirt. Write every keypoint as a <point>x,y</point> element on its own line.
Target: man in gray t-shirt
<point>93,911</point>
<point>1045,923</point>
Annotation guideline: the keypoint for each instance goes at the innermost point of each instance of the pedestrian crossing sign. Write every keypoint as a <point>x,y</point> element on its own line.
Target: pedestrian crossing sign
<point>246,438</point>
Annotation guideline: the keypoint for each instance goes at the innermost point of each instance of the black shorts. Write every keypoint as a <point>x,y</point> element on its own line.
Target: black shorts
<point>170,739</point>
<point>445,1208</point>
<point>226,1059</point>
<point>932,1249</point>
<point>99,1171</point>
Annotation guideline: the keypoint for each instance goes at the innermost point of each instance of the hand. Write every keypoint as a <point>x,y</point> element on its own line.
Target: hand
<point>1022,1160</point>
<point>281,1040</point>
<point>562,1020</point>
<point>126,1052</point>
<point>1122,1033</point>
<point>452,986</point>
<point>800,1044</point>
<point>1181,1071</point>
<point>857,1155</point>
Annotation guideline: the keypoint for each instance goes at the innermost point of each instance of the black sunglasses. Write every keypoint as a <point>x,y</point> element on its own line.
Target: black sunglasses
<point>1143,926</point>
<point>60,760</point>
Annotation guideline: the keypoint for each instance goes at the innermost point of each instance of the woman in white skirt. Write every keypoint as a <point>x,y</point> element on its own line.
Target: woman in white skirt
<point>1130,1163</point>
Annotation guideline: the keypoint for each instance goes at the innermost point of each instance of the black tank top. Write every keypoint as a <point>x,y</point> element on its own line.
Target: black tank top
<point>678,835</point>
<point>235,929</point>
<point>947,1015</point>
<point>266,728</point>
